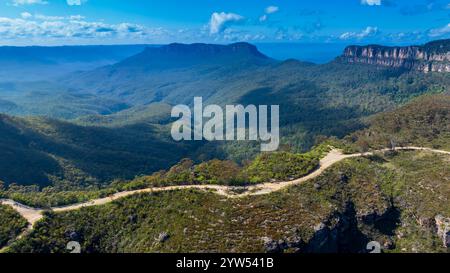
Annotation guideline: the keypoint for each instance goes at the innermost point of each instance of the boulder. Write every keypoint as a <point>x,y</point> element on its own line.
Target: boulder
<point>443,229</point>
<point>163,236</point>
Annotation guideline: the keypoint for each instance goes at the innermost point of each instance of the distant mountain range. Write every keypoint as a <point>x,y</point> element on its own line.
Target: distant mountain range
<point>171,73</point>
<point>175,56</point>
<point>218,73</point>
<point>41,63</point>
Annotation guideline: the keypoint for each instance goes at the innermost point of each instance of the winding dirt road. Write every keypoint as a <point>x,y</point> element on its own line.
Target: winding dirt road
<point>33,214</point>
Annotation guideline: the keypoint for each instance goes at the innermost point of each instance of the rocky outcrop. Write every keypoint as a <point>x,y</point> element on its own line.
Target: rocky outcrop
<point>443,229</point>
<point>431,57</point>
<point>163,236</point>
<point>294,244</point>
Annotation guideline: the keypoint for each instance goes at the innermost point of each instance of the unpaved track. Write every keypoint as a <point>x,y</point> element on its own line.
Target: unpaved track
<point>33,214</point>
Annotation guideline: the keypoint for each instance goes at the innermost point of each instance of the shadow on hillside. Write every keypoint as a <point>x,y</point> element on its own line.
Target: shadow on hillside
<point>342,237</point>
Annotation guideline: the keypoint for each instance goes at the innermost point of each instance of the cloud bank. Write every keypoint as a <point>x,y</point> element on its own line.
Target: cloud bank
<point>28,2</point>
<point>367,32</point>
<point>44,27</point>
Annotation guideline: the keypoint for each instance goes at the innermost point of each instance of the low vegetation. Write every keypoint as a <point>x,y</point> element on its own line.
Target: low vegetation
<point>278,166</point>
<point>358,200</point>
<point>423,122</point>
<point>11,225</point>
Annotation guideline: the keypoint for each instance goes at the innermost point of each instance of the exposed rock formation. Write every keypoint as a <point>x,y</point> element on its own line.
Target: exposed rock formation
<point>431,57</point>
<point>163,236</point>
<point>294,244</point>
<point>443,226</point>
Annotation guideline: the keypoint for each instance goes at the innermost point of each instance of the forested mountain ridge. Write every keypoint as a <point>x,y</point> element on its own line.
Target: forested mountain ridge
<point>225,74</point>
<point>328,99</point>
<point>423,122</point>
<point>173,73</point>
<point>39,151</point>
<point>175,56</point>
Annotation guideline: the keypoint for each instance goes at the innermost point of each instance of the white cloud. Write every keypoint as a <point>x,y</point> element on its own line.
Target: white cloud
<point>272,9</point>
<point>75,2</point>
<point>48,18</point>
<point>439,31</point>
<point>76,17</point>
<point>371,2</point>
<point>367,32</point>
<point>26,15</point>
<point>233,35</point>
<point>28,2</point>
<point>268,11</point>
<point>288,34</point>
<point>42,17</point>
<point>220,21</point>
<point>51,27</point>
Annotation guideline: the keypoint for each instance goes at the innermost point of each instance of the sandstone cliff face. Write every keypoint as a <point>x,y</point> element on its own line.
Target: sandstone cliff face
<point>431,57</point>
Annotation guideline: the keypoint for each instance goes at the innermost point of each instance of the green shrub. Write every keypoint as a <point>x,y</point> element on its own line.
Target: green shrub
<point>11,224</point>
<point>280,166</point>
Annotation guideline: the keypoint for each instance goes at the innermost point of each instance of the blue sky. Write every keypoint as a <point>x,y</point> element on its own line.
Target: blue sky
<point>55,22</point>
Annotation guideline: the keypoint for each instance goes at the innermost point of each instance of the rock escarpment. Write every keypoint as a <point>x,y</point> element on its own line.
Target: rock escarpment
<point>431,57</point>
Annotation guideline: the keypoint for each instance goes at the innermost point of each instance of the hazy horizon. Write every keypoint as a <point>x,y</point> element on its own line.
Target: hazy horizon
<point>318,53</point>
